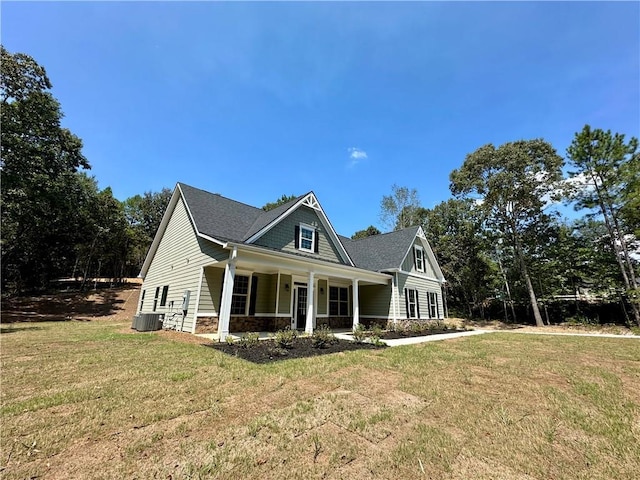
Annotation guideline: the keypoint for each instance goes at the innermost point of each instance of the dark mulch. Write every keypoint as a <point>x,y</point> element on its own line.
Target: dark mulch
<point>266,351</point>
<point>409,334</point>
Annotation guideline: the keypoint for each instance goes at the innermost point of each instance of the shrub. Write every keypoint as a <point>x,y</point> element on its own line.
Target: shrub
<point>416,327</point>
<point>285,338</point>
<point>249,340</point>
<point>376,331</point>
<point>322,337</point>
<point>230,340</point>
<point>359,334</point>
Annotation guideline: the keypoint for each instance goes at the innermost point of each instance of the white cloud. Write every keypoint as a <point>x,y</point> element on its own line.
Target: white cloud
<point>356,155</point>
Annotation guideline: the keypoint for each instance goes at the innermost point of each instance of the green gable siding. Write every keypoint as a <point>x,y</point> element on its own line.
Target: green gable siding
<point>177,263</point>
<point>282,236</point>
<point>408,263</point>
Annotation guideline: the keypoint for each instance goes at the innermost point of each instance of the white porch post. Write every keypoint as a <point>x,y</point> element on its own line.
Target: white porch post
<point>308,327</point>
<point>227,295</point>
<point>356,305</point>
<point>394,294</point>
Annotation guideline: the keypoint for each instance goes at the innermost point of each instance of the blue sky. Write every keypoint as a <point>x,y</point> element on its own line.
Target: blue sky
<point>255,100</point>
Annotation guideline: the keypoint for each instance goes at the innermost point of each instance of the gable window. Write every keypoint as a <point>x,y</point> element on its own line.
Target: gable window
<point>411,303</point>
<point>163,298</point>
<point>338,302</point>
<point>433,305</point>
<point>307,237</point>
<point>240,294</point>
<point>419,256</point>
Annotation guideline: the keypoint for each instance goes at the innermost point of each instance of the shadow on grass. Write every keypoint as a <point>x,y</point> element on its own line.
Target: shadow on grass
<point>12,329</point>
<point>267,351</point>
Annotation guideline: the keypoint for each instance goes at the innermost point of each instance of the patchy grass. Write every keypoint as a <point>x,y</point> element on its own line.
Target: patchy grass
<point>91,400</point>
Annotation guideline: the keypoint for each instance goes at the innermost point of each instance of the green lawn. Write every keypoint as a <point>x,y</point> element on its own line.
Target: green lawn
<point>87,400</point>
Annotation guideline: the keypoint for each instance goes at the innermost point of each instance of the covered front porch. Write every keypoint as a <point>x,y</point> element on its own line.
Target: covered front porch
<point>262,291</point>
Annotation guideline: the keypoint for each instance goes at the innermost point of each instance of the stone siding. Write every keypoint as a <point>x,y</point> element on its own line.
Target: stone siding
<point>207,325</point>
<point>258,324</point>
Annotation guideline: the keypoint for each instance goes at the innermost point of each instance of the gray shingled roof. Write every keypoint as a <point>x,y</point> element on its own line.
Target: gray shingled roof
<point>380,252</point>
<point>228,220</point>
<point>219,217</point>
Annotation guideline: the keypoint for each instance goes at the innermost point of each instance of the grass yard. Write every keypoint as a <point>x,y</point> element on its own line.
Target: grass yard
<point>91,400</point>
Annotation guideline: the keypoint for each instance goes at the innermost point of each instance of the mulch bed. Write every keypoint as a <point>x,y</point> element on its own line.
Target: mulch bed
<point>410,334</point>
<point>267,351</point>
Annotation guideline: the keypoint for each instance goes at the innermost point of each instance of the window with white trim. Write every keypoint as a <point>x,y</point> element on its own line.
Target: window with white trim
<point>419,256</point>
<point>338,302</point>
<point>165,293</point>
<point>412,303</point>
<point>307,238</point>
<point>155,299</point>
<point>240,295</point>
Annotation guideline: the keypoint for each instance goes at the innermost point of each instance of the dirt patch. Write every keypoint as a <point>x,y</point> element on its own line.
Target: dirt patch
<point>116,303</point>
<point>267,351</point>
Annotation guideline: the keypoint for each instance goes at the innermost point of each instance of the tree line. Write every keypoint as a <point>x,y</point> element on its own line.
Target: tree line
<point>56,222</point>
<point>500,240</point>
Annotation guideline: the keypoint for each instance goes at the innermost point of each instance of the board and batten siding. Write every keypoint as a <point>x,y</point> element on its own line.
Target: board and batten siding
<point>423,286</point>
<point>177,263</point>
<point>282,236</point>
<point>409,265</point>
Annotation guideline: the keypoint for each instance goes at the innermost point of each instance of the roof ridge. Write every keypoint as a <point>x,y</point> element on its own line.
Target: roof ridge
<point>383,234</point>
<point>221,196</point>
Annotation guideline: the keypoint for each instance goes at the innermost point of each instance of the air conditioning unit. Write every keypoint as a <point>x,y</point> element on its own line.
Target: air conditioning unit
<point>147,322</point>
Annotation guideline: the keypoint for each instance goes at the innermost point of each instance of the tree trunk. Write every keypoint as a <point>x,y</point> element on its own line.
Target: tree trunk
<point>527,281</point>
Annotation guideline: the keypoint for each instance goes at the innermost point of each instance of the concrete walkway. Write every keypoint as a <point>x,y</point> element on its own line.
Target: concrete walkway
<point>414,340</point>
<point>345,334</point>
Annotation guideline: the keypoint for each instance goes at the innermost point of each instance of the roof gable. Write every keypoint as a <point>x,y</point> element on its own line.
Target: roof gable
<point>281,213</point>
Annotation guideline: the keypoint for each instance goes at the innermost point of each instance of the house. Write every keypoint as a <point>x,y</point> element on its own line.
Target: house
<point>218,266</point>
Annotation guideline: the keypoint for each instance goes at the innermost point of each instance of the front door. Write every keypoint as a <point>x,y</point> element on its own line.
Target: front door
<point>301,307</point>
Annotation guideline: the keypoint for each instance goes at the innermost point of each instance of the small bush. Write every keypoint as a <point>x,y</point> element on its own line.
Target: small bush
<point>249,340</point>
<point>359,334</point>
<point>376,331</point>
<point>230,340</point>
<point>416,327</point>
<point>322,337</point>
<point>285,338</point>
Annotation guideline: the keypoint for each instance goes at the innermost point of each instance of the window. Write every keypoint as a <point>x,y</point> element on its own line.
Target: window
<point>433,305</point>
<point>240,294</point>
<point>419,256</point>
<point>163,298</point>
<point>338,302</point>
<point>142,299</point>
<point>307,235</point>
<point>412,303</point>
<point>155,299</point>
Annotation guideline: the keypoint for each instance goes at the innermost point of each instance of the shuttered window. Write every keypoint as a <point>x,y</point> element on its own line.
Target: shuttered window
<point>240,294</point>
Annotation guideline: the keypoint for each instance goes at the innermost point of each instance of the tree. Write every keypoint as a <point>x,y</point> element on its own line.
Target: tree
<point>281,201</point>
<point>370,231</point>
<point>41,189</point>
<point>399,210</point>
<point>511,184</point>
<point>609,168</point>
<point>143,215</point>
<point>455,232</point>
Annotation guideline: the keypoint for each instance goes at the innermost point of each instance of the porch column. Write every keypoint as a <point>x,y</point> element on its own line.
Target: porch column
<point>356,305</point>
<point>227,295</point>
<point>308,327</point>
